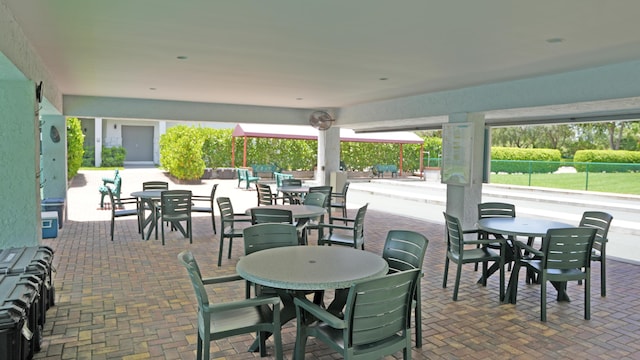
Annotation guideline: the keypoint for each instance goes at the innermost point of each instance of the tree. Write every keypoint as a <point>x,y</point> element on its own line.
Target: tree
<point>75,150</point>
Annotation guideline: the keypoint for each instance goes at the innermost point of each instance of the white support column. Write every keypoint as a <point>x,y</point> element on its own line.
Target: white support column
<point>462,200</point>
<point>98,141</point>
<point>328,154</point>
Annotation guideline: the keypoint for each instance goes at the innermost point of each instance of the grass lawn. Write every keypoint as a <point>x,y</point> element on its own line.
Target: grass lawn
<point>622,183</point>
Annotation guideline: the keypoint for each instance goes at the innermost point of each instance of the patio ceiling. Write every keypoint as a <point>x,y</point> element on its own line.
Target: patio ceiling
<point>328,54</point>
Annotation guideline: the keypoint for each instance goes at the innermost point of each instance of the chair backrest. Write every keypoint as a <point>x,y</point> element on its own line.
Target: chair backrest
<point>225,207</point>
<point>358,223</point>
<point>496,209</point>
<point>265,196</point>
<point>454,235</point>
<point>315,199</point>
<point>600,221</point>
<point>326,190</point>
<point>268,235</point>
<point>568,248</point>
<point>189,262</point>
<point>175,202</point>
<point>379,308</point>
<point>155,185</point>
<point>267,215</point>
<point>404,250</point>
<point>291,182</point>
<point>345,188</point>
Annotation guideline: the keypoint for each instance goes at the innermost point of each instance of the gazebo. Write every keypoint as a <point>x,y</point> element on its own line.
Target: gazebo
<point>299,132</point>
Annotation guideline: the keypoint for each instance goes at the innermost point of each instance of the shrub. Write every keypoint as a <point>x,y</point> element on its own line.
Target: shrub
<point>181,152</point>
<point>113,156</point>
<point>518,160</point>
<point>89,157</point>
<point>75,150</point>
<point>606,160</point>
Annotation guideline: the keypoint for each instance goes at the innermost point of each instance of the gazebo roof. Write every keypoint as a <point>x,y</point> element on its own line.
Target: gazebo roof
<point>309,133</point>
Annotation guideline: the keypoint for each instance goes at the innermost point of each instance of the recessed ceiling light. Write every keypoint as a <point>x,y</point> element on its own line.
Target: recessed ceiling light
<point>299,98</point>
<point>383,79</point>
<point>152,89</point>
<point>181,57</point>
<point>554,40</point>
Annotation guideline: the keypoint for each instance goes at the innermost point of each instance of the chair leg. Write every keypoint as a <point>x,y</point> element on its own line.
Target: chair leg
<point>213,222</point>
<point>220,251</point>
<point>543,298</point>
<point>162,232</point>
<point>418,318</point>
<point>603,276</point>
<point>457,285</point>
<point>230,246</point>
<point>446,272</point>
<point>587,296</point>
<point>112,225</point>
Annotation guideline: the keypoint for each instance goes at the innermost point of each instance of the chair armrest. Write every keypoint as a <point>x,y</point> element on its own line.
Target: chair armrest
<point>253,302</point>
<point>335,226</point>
<point>221,279</point>
<point>342,219</point>
<point>471,231</point>
<point>520,245</point>
<point>481,242</point>
<point>320,313</point>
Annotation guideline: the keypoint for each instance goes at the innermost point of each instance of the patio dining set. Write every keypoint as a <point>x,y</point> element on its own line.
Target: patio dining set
<point>289,278</point>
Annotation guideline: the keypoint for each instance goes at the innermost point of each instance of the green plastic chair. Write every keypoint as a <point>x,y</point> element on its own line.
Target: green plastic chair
<point>155,185</point>
<point>565,256</point>
<point>494,210</point>
<point>305,226</point>
<point>125,210</point>
<point>375,323</point>
<point>219,321</point>
<point>261,215</point>
<point>345,235</point>
<point>265,195</point>
<point>404,250</point>
<point>228,229</point>
<point>339,200</point>
<point>600,221</point>
<point>206,205</point>
<point>457,253</point>
<point>175,208</point>
<point>267,236</point>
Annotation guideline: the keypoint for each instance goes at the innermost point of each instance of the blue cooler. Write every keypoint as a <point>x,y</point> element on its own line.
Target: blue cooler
<point>49,224</point>
<point>55,204</point>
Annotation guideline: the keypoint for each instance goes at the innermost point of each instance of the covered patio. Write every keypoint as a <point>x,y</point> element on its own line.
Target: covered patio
<point>130,299</point>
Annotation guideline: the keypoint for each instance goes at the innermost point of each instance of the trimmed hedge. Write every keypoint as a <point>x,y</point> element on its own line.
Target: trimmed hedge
<point>606,160</point>
<point>518,160</point>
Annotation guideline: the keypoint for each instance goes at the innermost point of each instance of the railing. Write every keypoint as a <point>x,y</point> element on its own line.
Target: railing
<point>608,177</point>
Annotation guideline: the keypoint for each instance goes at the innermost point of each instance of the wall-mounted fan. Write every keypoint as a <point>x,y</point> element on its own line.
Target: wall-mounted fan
<point>321,120</point>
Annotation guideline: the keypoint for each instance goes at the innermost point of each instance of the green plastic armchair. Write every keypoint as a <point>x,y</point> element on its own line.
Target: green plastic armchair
<point>457,253</point>
<point>375,322</point>
<point>565,256</point>
<point>175,208</point>
<point>344,234</point>
<point>600,221</point>
<point>404,250</point>
<point>228,229</point>
<point>126,209</point>
<point>219,321</point>
<point>205,205</point>
<point>261,215</point>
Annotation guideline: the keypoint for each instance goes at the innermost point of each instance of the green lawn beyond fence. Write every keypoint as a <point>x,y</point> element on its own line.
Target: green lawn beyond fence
<point>603,177</point>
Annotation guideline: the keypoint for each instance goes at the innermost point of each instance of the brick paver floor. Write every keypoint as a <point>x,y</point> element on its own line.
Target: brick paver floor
<point>131,299</point>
